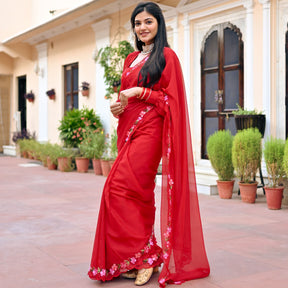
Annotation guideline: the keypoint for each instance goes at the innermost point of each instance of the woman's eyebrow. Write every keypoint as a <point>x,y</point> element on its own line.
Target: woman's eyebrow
<point>149,18</point>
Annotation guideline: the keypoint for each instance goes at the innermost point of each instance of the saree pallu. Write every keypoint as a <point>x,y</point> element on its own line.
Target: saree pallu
<point>125,237</point>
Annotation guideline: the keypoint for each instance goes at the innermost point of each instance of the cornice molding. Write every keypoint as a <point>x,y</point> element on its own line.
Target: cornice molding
<point>42,47</point>
<point>202,4</point>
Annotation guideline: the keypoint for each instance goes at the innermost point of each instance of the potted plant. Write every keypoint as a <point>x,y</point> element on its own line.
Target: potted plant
<point>112,60</point>
<point>51,152</point>
<point>30,96</point>
<point>74,123</point>
<point>64,158</point>
<point>83,158</point>
<point>273,155</point>
<point>17,138</point>
<point>219,149</point>
<point>246,157</point>
<point>51,94</point>
<point>93,146</point>
<point>85,88</point>
<point>245,119</point>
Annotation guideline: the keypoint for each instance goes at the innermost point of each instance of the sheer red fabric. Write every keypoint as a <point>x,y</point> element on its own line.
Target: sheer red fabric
<point>182,237</point>
<point>154,127</point>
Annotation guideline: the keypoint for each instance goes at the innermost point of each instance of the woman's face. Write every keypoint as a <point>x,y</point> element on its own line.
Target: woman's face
<point>146,27</point>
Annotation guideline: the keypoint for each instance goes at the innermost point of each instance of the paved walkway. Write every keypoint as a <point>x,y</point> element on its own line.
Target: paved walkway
<point>48,219</point>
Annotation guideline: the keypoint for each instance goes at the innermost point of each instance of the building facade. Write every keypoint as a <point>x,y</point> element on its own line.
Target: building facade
<point>232,52</point>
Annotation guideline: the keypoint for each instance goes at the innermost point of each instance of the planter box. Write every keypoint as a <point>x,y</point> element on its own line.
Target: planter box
<point>9,150</point>
<point>251,121</point>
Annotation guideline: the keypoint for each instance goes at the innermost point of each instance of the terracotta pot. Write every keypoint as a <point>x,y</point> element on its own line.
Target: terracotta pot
<point>274,197</point>
<point>52,97</point>
<point>25,154</point>
<point>85,92</point>
<point>105,167</point>
<point>30,155</point>
<point>82,164</point>
<point>50,165</point>
<point>65,164</point>
<point>97,166</point>
<point>248,191</point>
<point>225,189</point>
<point>30,100</point>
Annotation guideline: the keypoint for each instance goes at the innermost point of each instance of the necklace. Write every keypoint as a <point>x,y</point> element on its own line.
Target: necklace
<point>147,49</point>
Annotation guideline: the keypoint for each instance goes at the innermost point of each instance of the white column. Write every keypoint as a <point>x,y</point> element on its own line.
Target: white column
<point>102,36</point>
<point>266,64</point>
<point>249,67</point>
<point>42,98</point>
<point>187,64</point>
<point>174,26</point>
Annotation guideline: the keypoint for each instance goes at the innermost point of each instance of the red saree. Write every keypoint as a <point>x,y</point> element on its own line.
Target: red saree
<point>155,127</point>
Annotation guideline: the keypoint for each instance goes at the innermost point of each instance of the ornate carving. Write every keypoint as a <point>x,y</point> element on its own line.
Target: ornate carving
<point>221,26</point>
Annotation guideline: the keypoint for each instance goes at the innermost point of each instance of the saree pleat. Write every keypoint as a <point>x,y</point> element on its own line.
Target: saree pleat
<point>125,238</point>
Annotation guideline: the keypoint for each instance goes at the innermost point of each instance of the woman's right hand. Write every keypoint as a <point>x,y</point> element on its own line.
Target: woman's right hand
<point>116,109</point>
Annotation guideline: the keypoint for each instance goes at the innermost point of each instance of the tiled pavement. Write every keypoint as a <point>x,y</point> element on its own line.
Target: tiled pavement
<point>48,219</point>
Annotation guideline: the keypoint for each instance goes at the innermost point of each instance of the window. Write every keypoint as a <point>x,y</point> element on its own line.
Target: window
<point>71,86</point>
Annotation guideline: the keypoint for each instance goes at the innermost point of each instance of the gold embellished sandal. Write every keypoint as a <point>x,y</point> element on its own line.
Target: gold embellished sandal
<point>131,274</point>
<point>144,275</point>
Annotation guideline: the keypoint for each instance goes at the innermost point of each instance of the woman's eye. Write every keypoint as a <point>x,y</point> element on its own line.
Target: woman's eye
<point>137,24</point>
<point>149,22</point>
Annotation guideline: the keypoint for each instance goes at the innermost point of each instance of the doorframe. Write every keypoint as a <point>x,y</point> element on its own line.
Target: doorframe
<point>19,78</point>
<point>220,70</point>
<point>280,79</point>
<point>201,28</point>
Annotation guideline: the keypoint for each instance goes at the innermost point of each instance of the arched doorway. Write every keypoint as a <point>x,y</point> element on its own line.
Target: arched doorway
<point>221,80</point>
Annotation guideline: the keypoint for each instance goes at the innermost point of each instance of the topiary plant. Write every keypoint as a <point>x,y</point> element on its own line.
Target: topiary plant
<point>219,149</point>
<point>285,159</point>
<point>273,155</point>
<point>246,154</point>
<point>74,124</point>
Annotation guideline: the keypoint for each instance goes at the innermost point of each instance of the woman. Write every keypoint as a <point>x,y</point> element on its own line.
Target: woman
<point>153,123</point>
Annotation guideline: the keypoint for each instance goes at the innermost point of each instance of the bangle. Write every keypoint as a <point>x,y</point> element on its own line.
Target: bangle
<point>148,95</point>
<point>143,93</point>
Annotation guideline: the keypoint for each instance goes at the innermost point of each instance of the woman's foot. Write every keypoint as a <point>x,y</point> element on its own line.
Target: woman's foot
<point>144,275</point>
<point>131,274</point>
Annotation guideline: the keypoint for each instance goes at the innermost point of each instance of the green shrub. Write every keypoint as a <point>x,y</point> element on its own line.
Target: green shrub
<point>246,154</point>
<point>273,155</point>
<point>93,144</point>
<point>74,124</point>
<point>219,149</point>
<point>285,159</point>
<point>113,145</point>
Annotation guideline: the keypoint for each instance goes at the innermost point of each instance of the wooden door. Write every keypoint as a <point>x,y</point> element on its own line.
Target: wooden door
<point>71,86</point>
<point>221,80</point>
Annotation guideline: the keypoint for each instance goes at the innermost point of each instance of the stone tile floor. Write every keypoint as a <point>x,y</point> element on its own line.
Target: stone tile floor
<point>48,220</point>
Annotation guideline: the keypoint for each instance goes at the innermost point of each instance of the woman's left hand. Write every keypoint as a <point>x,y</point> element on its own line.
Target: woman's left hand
<point>128,93</point>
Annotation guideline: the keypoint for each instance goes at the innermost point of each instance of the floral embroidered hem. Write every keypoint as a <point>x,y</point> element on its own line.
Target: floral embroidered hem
<point>149,256</point>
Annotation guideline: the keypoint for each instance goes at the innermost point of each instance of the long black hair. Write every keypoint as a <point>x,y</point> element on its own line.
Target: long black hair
<point>152,69</point>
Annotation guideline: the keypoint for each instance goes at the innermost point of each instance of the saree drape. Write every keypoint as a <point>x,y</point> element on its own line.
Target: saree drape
<point>154,127</point>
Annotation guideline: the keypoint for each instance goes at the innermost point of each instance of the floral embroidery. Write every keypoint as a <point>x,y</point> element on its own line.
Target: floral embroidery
<point>126,265</point>
<point>139,119</point>
<point>168,232</point>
